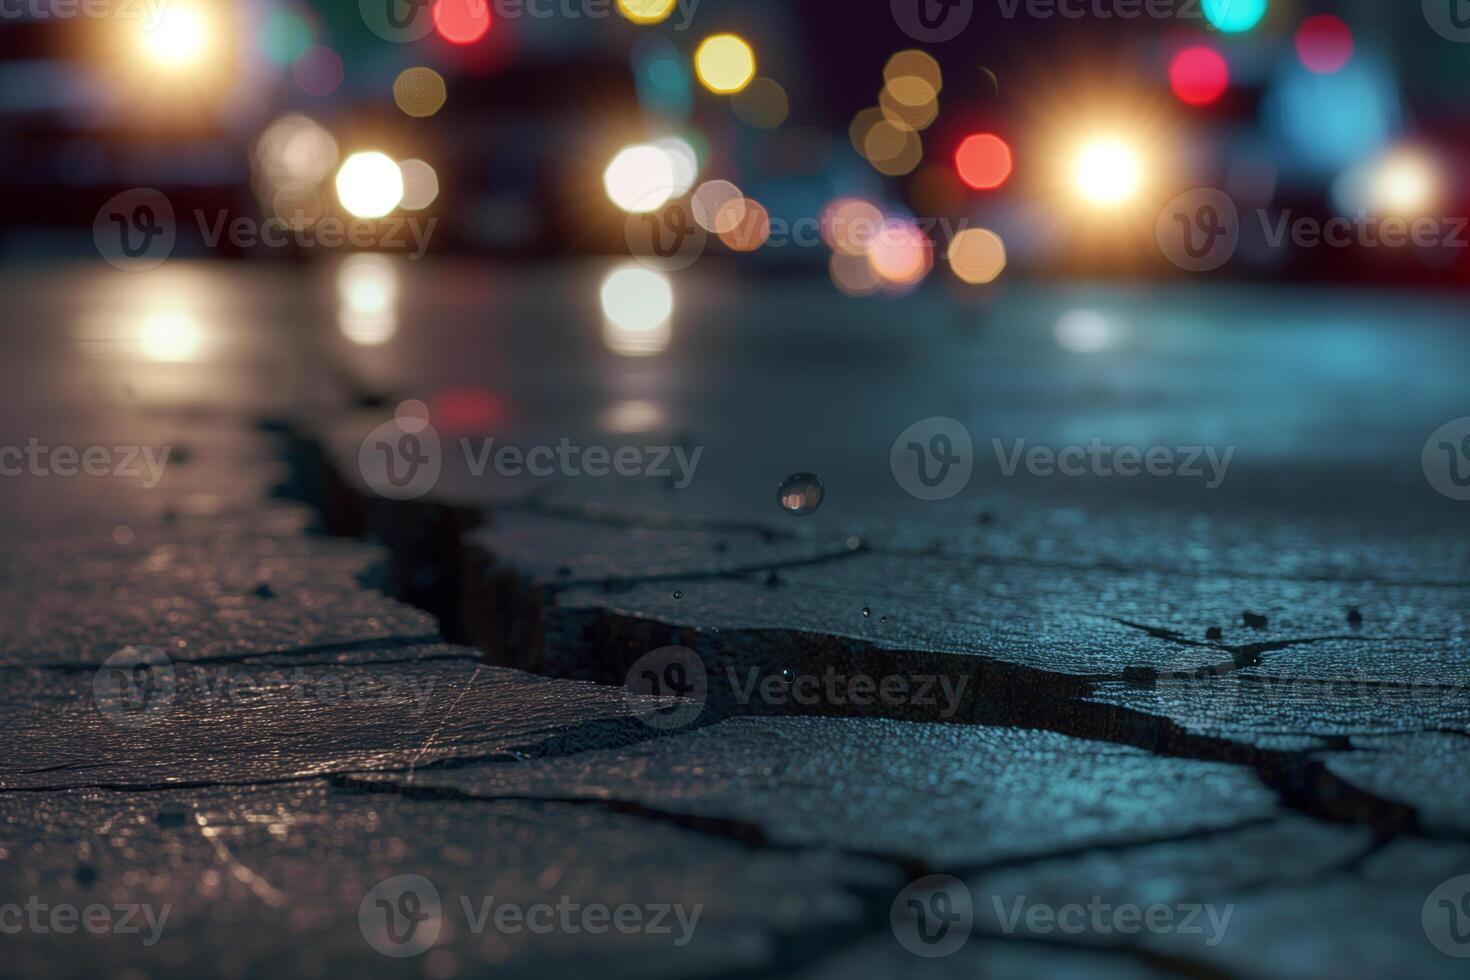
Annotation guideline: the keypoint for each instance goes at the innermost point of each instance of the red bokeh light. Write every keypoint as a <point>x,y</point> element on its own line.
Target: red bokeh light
<point>1198,75</point>
<point>466,411</point>
<point>461,21</point>
<point>1324,44</point>
<point>983,161</point>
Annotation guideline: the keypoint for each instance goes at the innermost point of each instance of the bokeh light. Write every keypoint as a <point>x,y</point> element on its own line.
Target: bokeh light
<point>182,37</point>
<point>295,148</point>
<point>1084,332</point>
<point>762,104</point>
<point>461,21</point>
<point>1234,16</point>
<point>849,226</point>
<point>901,255</point>
<point>1198,75</point>
<point>746,225</point>
<point>683,161</point>
<point>1107,172</point>
<point>1324,44</point>
<point>283,37</point>
<point>637,304</point>
<point>977,255</point>
<point>718,206</point>
<point>646,11</point>
<point>1406,183</point>
<point>854,275</point>
<point>369,185</point>
<point>367,299</point>
<point>640,178</point>
<point>318,71</point>
<point>892,151</point>
<point>169,336</point>
<point>724,63</point>
<point>914,64</point>
<point>983,161</point>
<point>419,92</point>
<point>420,185</point>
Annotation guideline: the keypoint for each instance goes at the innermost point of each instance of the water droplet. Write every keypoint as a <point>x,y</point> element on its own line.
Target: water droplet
<point>882,619</point>
<point>678,595</point>
<point>801,494</point>
<point>788,675</point>
<point>867,612</point>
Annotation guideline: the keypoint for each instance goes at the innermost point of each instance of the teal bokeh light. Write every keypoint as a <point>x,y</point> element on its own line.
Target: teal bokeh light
<point>284,36</point>
<point>1234,16</point>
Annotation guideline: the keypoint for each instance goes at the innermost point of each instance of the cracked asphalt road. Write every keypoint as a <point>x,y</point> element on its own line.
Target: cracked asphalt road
<point>1061,693</point>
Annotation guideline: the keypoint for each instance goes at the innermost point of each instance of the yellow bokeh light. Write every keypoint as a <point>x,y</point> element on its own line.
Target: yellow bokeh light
<point>646,11</point>
<point>369,185</point>
<point>977,255</point>
<point>724,63</point>
<point>746,223</point>
<point>853,275</point>
<point>180,38</point>
<point>640,178</point>
<point>1107,172</point>
<point>419,92</point>
<point>849,226</point>
<point>914,64</point>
